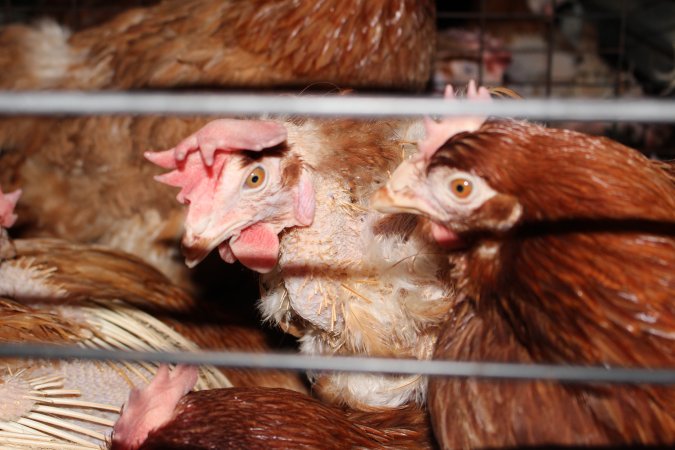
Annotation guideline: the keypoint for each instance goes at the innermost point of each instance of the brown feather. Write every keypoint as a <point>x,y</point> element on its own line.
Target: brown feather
<point>97,161</point>
<point>500,414</point>
<point>276,418</point>
<point>22,323</point>
<point>384,44</point>
<point>584,277</point>
<point>80,272</point>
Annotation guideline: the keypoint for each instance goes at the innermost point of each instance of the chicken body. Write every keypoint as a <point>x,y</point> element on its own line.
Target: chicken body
<point>386,44</point>
<point>344,279</point>
<point>82,162</point>
<point>257,418</point>
<point>49,298</point>
<point>567,257</point>
<point>356,283</point>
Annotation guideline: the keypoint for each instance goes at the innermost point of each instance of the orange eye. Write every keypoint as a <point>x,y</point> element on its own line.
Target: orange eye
<point>461,187</point>
<point>256,178</point>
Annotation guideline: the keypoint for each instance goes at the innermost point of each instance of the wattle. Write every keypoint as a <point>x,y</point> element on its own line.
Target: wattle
<point>256,247</point>
<point>444,236</point>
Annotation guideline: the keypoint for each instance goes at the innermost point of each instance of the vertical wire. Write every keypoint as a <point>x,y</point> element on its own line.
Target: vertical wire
<point>550,24</point>
<point>622,44</point>
<point>481,43</point>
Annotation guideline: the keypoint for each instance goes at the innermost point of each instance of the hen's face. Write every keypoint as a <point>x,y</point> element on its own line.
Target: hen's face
<point>238,200</point>
<point>456,201</point>
<point>240,204</point>
<point>246,192</point>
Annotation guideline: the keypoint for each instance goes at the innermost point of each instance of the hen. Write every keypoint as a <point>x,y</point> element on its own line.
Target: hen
<point>564,253</point>
<point>293,205</point>
<point>96,161</point>
<point>386,44</point>
<point>162,417</point>
<point>59,292</point>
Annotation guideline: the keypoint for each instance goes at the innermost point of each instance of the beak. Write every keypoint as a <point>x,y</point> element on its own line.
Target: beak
<point>196,248</point>
<point>197,245</point>
<point>194,254</point>
<point>386,201</point>
<point>407,192</point>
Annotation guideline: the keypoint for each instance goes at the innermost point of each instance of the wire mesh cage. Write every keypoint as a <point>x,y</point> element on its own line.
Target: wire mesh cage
<point>566,49</point>
<point>545,48</point>
<point>547,51</point>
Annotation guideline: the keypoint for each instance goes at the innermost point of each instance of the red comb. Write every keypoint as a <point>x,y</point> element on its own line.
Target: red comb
<point>198,159</point>
<point>7,204</point>
<point>439,132</point>
<point>189,174</point>
<point>229,135</point>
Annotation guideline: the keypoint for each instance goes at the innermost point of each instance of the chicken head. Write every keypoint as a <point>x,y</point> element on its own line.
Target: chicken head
<point>441,193</point>
<point>242,187</point>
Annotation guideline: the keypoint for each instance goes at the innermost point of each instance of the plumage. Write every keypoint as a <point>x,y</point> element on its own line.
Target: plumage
<point>342,278</point>
<point>385,44</point>
<point>279,418</point>
<point>64,164</point>
<point>563,253</point>
<point>254,418</point>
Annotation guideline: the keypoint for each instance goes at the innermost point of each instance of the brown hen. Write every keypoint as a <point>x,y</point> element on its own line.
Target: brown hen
<point>385,44</point>
<point>260,418</point>
<point>93,183</point>
<point>567,257</point>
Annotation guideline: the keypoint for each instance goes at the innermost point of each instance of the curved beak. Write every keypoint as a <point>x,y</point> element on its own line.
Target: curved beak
<point>407,192</point>
<point>195,247</point>
<point>386,201</point>
<point>201,238</point>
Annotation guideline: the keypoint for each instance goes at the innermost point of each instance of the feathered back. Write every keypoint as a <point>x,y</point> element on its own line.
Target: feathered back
<point>385,44</point>
<point>362,152</point>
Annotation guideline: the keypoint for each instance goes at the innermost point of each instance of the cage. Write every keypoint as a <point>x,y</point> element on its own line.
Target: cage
<point>551,49</point>
<point>546,48</point>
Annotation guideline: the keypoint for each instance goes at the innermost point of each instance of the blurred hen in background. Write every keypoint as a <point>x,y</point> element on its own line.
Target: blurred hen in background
<point>566,48</point>
<point>97,161</point>
<point>385,44</point>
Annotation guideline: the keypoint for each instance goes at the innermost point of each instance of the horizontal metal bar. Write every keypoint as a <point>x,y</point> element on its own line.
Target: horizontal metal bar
<point>525,16</point>
<point>97,103</point>
<point>567,374</point>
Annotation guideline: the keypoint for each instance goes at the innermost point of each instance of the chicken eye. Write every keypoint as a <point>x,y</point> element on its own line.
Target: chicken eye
<point>461,187</point>
<point>256,178</point>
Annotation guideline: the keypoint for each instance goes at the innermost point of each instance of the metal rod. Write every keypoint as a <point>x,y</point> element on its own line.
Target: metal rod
<point>550,42</point>
<point>481,42</point>
<point>519,15</point>
<point>570,374</point>
<point>618,88</point>
<point>106,103</point>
